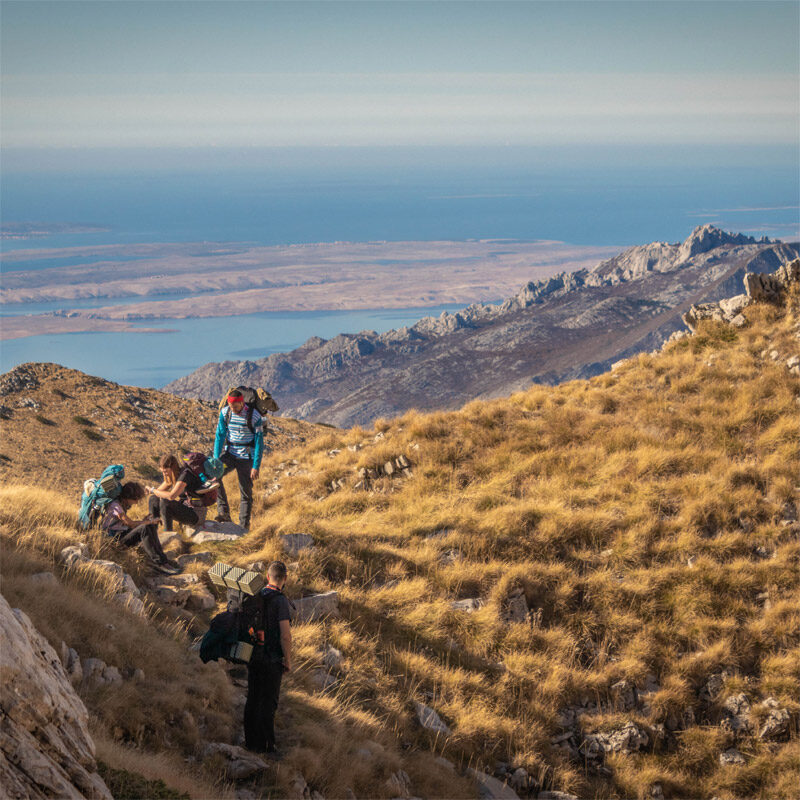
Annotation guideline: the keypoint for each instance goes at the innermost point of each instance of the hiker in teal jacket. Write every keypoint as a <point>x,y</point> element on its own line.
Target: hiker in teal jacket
<point>239,444</point>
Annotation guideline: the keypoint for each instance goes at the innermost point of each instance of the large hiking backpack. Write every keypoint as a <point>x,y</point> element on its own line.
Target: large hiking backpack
<point>232,634</point>
<point>254,398</point>
<point>98,493</point>
<point>199,465</point>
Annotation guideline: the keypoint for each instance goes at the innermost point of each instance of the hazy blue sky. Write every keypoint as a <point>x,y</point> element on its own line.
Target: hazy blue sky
<point>201,74</point>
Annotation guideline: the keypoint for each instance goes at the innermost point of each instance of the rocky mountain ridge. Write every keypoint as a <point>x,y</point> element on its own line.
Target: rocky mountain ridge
<point>570,325</point>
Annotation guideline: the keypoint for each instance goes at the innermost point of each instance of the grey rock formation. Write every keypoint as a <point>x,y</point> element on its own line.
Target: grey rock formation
<point>317,606</point>
<point>430,720</point>
<point>45,746</point>
<point>569,326</point>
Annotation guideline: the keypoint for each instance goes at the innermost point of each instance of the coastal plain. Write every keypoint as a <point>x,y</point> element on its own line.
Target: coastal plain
<point>231,279</point>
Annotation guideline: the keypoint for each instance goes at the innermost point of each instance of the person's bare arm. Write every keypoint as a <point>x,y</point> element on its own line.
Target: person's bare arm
<point>170,493</point>
<point>286,643</point>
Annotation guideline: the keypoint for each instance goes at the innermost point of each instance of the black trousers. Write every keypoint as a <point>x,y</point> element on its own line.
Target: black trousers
<point>171,511</point>
<point>147,536</point>
<point>242,467</point>
<point>263,688</point>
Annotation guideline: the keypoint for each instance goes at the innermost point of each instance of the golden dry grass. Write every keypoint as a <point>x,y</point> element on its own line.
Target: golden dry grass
<point>640,513</point>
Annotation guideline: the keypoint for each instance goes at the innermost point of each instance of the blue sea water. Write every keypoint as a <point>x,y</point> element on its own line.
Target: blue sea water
<point>155,359</point>
<point>617,197</point>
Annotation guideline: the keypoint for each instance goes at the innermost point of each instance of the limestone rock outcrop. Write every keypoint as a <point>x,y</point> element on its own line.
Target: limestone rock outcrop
<point>45,746</point>
<point>570,325</point>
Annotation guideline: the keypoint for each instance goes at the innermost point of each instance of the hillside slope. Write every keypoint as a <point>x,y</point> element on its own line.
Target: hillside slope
<point>571,325</point>
<point>593,587</point>
<point>60,426</point>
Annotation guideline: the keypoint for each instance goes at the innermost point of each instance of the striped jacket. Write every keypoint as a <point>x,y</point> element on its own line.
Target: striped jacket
<point>234,436</point>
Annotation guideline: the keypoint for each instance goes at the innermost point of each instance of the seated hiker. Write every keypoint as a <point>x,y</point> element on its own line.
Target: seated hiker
<point>129,532</point>
<point>186,490</point>
<point>239,444</point>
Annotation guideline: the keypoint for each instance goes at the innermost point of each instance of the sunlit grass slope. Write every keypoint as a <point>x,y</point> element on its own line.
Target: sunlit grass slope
<point>646,515</point>
<point>642,512</point>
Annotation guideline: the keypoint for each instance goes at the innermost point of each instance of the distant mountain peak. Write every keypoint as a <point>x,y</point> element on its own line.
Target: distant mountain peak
<point>706,237</point>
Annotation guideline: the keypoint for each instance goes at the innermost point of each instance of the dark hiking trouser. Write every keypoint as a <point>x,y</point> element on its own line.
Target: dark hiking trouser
<point>146,535</point>
<point>242,467</point>
<point>263,689</point>
<point>172,511</point>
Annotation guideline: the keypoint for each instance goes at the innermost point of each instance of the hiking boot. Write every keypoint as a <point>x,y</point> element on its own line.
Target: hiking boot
<point>166,567</point>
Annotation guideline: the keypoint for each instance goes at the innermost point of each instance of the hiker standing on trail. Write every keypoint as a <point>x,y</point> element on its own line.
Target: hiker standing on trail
<point>239,444</point>
<point>272,656</point>
<point>128,532</point>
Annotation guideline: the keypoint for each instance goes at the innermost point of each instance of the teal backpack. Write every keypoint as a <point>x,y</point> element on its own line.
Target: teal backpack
<point>97,494</point>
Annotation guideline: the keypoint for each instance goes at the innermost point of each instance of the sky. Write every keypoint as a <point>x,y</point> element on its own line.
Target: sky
<point>125,75</point>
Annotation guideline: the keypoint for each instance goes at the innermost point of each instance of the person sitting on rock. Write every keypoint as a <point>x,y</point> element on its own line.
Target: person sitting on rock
<point>128,532</point>
<point>239,444</point>
<point>179,498</point>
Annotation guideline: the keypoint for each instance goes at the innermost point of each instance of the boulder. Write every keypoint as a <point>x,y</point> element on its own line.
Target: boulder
<point>71,662</point>
<point>625,696</point>
<point>517,609</point>
<point>201,599</point>
<point>45,746</point>
<point>470,604</point>
<point>239,763</point>
<point>173,595</point>
<point>731,757</point>
<point>630,738</point>
<point>131,602</point>
<point>203,557</point>
<point>398,784</point>
<point>72,555</point>
<point>93,672</point>
<point>489,788</point>
<point>776,725</point>
<point>332,657</point>
<point>322,679</point>
<point>203,537</point>
<point>299,789</point>
<point>111,675</point>
<point>732,306</point>
<point>430,720</point>
<point>317,606</point>
<point>295,543</point>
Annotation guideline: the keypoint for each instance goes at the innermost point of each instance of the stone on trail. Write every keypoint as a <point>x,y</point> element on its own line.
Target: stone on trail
<point>239,763</point>
<point>332,658</point>
<point>169,539</point>
<point>203,557</point>
<point>213,531</point>
<point>45,746</point>
<point>295,543</point>
<point>317,606</point>
<point>173,595</point>
<point>203,537</point>
<point>489,788</point>
<point>201,599</point>
<point>430,720</point>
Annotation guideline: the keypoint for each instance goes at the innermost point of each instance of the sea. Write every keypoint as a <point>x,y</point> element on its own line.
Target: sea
<point>613,197</point>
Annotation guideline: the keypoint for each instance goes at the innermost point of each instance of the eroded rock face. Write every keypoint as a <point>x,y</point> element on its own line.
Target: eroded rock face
<point>45,746</point>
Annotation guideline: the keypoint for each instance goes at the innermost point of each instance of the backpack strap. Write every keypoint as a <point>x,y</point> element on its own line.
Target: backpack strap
<point>249,420</point>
